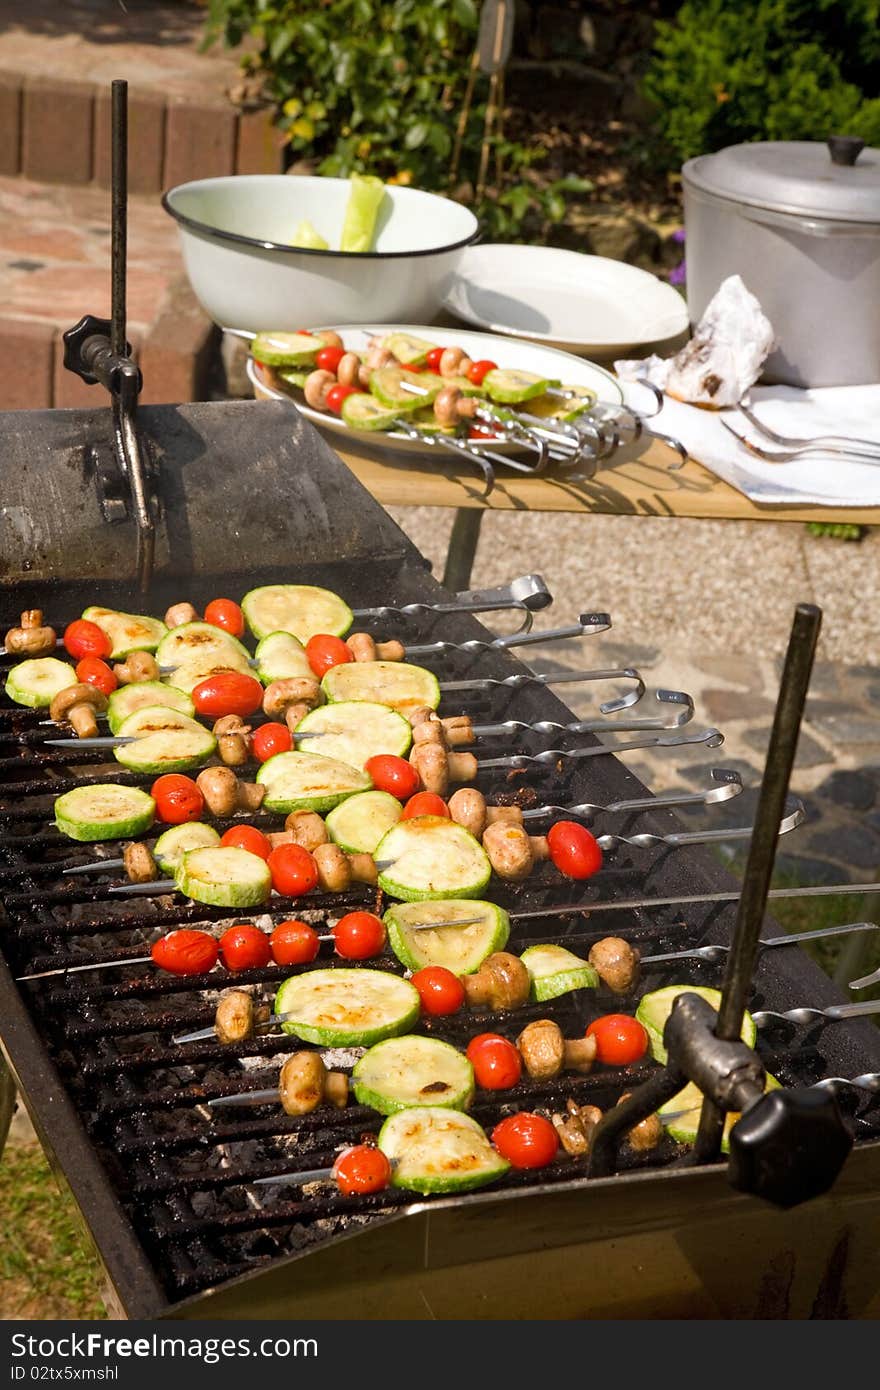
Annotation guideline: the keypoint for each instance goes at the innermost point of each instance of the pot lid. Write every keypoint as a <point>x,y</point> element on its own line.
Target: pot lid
<point>838,180</point>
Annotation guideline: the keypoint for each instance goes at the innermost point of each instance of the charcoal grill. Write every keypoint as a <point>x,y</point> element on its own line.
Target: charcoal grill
<point>248,494</point>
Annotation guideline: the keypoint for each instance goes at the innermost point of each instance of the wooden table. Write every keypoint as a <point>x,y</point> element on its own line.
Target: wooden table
<point>640,481</point>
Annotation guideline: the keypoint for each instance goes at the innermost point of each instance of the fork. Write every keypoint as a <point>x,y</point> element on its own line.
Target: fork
<point>803,451</point>
<point>830,441</point>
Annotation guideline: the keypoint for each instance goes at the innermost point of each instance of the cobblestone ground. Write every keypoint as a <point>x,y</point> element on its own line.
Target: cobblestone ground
<point>705,607</point>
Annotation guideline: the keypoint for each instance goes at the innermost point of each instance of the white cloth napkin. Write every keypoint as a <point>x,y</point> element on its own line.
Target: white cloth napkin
<point>821,480</point>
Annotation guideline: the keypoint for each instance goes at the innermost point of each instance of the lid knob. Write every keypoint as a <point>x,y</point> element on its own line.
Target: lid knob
<point>845,149</point>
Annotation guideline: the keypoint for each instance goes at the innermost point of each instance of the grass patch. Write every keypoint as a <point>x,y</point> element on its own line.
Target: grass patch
<point>48,1268</point>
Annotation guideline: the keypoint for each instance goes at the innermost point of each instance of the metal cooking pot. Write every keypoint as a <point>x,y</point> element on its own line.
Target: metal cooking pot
<point>803,231</point>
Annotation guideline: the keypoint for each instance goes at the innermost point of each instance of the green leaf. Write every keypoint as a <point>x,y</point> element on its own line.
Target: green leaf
<point>415,136</point>
<point>464,12</point>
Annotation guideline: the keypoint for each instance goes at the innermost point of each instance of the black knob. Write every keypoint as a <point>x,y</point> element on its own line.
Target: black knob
<point>789,1146</point>
<point>845,149</point>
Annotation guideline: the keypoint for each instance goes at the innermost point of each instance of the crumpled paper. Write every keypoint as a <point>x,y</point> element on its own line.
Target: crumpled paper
<point>723,359</point>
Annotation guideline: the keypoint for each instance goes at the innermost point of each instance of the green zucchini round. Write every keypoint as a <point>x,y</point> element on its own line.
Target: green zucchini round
<point>433,1149</point>
<point>104,812</point>
<point>347,1008</point>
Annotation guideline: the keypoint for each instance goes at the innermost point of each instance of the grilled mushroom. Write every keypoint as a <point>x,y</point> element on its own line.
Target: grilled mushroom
<point>137,667</point>
<point>233,740</point>
<point>32,637</point>
<point>437,767</point>
<point>615,962</point>
<point>305,1082</point>
<point>235,1017</point>
<point>647,1133</point>
<point>291,699</point>
<point>180,613</point>
<point>364,648</point>
<point>502,982</point>
<point>575,1128</point>
<point>307,829</point>
<point>513,853</point>
<point>224,794</point>
<point>139,863</point>
<point>315,388</point>
<point>77,706</point>
<point>467,807</point>
<point>546,1053</point>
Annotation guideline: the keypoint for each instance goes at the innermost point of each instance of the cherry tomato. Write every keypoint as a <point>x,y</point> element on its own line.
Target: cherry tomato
<point>247,837</point>
<point>223,612</point>
<point>337,394</point>
<point>93,671</point>
<point>478,370</point>
<point>362,1169</point>
<point>620,1039</point>
<point>82,638</point>
<point>573,849</point>
<point>324,651</point>
<point>526,1140</point>
<point>432,360</point>
<point>359,935</point>
<point>177,799</point>
<point>186,952</point>
<point>425,804</point>
<point>394,775</point>
<point>329,358</point>
<point>482,432</point>
<point>440,991</point>
<point>245,947</point>
<point>269,739</point>
<point>227,692</point>
<point>496,1062</point>
<point>294,943</point>
<point>293,871</point>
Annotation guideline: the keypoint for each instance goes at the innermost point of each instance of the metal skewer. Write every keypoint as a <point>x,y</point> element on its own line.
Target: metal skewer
<point>868,1081</point>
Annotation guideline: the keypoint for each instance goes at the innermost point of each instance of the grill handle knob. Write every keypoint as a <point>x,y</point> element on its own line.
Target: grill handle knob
<point>789,1146</point>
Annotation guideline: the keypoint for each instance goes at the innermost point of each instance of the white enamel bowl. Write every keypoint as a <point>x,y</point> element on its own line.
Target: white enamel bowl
<point>235,234</point>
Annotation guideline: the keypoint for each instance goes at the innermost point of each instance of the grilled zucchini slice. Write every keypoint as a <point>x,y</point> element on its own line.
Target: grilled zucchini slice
<point>286,349</point>
<point>551,408</point>
<point>302,609</point>
<point>398,684</point>
<point>165,741</point>
<point>432,1149</point>
<point>363,412</point>
<point>355,730</point>
<point>281,656</point>
<point>432,857</point>
<point>460,949</point>
<point>36,682</point>
<point>104,812</point>
<point>401,1073</point>
<point>347,1008</point>
<point>308,782</point>
<point>510,386</point>
<point>655,1008</point>
<point>407,348</point>
<point>129,632</point>
<point>683,1113</point>
<point>173,844</point>
<point>389,386</point>
<point>358,823</point>
<point>554,970</point>
<point>128,699</point>
<point>195,651</point>
<point>224,877</point>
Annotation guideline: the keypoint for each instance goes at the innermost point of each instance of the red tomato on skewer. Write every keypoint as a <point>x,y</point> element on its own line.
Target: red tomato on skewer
<point>573,849</point>
<point>392,774</point>
<point>93,671</point>
<point>440,991</point>
<point>620,1039</point>
<point>82,638</point>
<point>324,651</point>
<point>177,799</point>
<point>496,1062</point>
<point>293,871</point>
<point>245,947</point>
<point>223,612</point>
<point>270,739</point>
<point>526,1140</point>
<point>227,692</point>
<point>359,935</point>
<point>361,1170</point>
<point>247,837</point>
<point>186,952</point>
<point>294,943</point>
<point>425,804</point>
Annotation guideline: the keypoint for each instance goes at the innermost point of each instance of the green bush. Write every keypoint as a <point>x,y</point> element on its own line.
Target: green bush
<point>724,73</point>
<point>376,86</point>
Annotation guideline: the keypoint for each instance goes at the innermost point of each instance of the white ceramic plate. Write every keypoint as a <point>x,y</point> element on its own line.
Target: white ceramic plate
<point>507,352</point>
<point>584,304</point>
